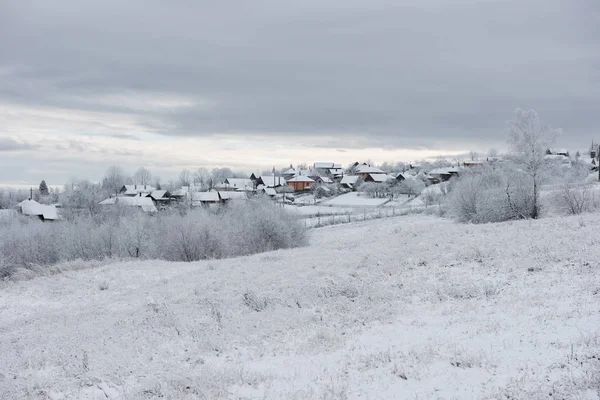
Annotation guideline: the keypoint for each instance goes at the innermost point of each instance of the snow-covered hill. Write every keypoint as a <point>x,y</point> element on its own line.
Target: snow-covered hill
<point>402,308</point>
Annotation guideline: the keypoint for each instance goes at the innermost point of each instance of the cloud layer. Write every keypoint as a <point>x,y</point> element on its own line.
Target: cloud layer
<point>440,75</point>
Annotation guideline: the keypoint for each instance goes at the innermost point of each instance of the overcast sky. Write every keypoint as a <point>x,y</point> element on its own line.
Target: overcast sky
<point>251,84</point>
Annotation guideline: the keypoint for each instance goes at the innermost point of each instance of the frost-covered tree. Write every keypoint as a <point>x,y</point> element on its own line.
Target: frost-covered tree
<point>185,177</point>
<point>114,179</point>
<point>201,177</point>
<point>142,176</point>
<point>528,141</point>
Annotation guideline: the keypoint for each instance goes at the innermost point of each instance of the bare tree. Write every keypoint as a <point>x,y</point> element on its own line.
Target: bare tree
<point>493,152</point>
<point>142,176</point>
<point>185,177</point>
<point>201,177</point>
<point>529,140</point>
<point>473,155</point>
<point>114,179</point>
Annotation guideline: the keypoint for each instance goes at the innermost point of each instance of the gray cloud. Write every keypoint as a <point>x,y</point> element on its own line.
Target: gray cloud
<point>8,144</point>
<point>400,74</point>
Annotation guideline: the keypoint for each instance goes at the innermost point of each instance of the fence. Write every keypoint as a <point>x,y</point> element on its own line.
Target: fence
<point>320,220</point>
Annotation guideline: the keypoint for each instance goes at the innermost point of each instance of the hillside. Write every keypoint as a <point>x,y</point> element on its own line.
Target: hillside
<point>401,308</point>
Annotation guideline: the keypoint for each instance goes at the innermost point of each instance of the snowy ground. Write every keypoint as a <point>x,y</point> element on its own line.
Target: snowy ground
<point>355,199</point>
<point>400,308</point>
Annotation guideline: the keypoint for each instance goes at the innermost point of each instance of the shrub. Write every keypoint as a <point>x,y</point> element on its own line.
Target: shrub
<point>239,229</point>
<point>488,195</point>
<point>574,200</point>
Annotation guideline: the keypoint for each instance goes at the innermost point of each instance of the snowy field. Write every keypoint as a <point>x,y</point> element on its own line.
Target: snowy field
<point>401,308</point>
<point>322,210</point>
<point>355,199</point>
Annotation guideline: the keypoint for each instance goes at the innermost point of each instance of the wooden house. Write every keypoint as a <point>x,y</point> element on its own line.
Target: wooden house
<point>299,183</point>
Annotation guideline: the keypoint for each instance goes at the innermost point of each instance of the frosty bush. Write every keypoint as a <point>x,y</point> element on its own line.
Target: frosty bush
<point>235,230</point>
<point>491,195</point>
<point>575,199</point>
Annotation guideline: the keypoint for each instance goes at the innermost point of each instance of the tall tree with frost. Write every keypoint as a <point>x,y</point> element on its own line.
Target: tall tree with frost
<point>114,179</point>
<point>142,176</point>
<point>43,188</point>
<point>528,142</point>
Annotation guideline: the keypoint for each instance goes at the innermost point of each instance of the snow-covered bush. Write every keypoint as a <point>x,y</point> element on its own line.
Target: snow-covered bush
<point>239,229</point>
<point>573,199</point>
<point>491,195</point>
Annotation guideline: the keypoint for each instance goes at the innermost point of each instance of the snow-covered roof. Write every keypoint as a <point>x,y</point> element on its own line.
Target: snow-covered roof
<point>160,195</point>
<point>439,171</point>
<point>366,169</point>
<point>381,177</point>
<point>336,171</point>
<point>270,191</point>
<point>272,181</point>
<point>349,179</point>
<point>301,178</point>
<point>132,190</point>
<point>229,195</point>
<point>238,182</point>
<point>404,175</point>
<point>145,203</point>
<point>325,179</point>
<point>33,208</point>
<point>246,188</point>
<point>205,196</point>
<point>559,151</point>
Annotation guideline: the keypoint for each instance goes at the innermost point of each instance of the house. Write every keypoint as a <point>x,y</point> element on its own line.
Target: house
<point>349,181</point>
<point>241,184</point>
<point>336,173</point>
<point>402,176</point>
<point>161,198</point>
<point>327,168</point>
<point>205,199</point>
<point>270,181</point>
<point>379,178</point>
<point>442,174</point>
<point>227,196</point>
<point>135,190</point>
<point>324,180</point>
<point>142,202</point>
<point>34,209</point>
<point>473,163</point>
<point>365,170</point>
<point>299,183</point>
<point>289,173</point>
<point>269,191</point>
<point>560,152</point>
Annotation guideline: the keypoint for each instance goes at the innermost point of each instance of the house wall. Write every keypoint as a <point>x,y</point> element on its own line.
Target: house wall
<point>298,186</point>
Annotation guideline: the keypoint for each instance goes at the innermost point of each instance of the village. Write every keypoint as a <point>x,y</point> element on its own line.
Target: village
<point>323,183</point>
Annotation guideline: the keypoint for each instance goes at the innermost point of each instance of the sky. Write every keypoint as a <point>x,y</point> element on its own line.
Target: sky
<point>252,84</point>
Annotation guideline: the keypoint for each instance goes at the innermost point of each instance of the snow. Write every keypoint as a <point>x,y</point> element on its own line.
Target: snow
<point>145,203</point>
<point>300,178</point>
<point>33,208</point>
<point>367,169</point>
<point>355,199</point>
<point>402,308</point>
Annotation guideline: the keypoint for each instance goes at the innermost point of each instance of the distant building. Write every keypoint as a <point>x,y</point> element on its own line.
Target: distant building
<point>32,208</point>
<point>299,183</point>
